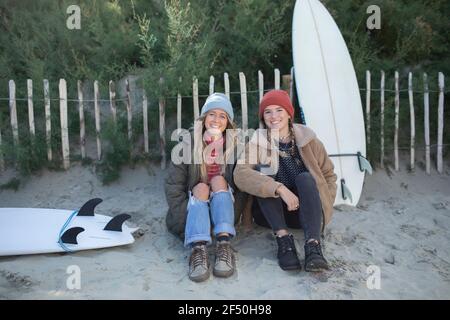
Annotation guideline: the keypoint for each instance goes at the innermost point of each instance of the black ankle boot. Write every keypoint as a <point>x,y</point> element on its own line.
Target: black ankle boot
<point>287,254</point>
<point>314,260</point>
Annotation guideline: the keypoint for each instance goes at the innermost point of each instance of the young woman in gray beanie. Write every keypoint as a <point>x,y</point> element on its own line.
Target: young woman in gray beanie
<point>201,196</point>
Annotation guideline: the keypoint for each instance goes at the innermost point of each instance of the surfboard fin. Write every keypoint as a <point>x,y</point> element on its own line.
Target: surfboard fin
<point>115,224</point>
<point>364,164</point>
<point>70,235</point>
<point>345,191</point>
<point>88,208</point>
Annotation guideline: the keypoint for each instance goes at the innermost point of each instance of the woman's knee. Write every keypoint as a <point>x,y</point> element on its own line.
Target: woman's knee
<point>201,191</point>
<point>218,183</point>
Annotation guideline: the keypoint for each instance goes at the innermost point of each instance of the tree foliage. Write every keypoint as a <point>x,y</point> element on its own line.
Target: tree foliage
<point>176,40</point>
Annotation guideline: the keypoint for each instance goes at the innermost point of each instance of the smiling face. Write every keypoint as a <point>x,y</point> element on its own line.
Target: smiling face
<point>276,117</point>
<point>216,119</point>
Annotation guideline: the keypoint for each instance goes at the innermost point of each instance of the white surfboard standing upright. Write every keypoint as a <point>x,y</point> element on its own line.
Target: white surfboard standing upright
<point>32,230</point>
<point>328,93</point>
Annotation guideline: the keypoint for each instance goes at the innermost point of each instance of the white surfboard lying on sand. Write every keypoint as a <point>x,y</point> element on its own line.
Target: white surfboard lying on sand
<point>329,95</point>
<point>31,231</point>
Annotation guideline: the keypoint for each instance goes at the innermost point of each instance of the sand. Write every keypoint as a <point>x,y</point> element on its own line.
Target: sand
<point>401,226</point>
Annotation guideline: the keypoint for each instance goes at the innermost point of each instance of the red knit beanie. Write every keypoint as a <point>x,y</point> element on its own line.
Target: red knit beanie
<point>278,98</point>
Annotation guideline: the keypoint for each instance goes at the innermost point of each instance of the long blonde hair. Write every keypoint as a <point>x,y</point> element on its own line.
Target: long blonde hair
<point>228,146</point>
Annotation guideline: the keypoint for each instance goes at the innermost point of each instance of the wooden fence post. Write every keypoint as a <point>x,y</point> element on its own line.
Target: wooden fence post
<point>162,128</point>
<point>211,85</point>
<point>440,134</point>
<point>397,109</point>
<point>64,123</point>
<point>97,120</point>
<point>179,108</point>
<point>412,119</point>
<point>260,85</point>
<point>291,86</point>
<point>226,82</point>
<point>145,119</point>
<point>426,118</point>
<point>261,91</point>
<point>2,162</point>
<point>243,86</point>
<point>13,112</point>
<point>195,98</point>
<point>129,110</point>
<point>48,120</point>
<point>286,84</point>
<point>31,109</point>
<point>368,105</point>
<point>277,78</point>
<point>82,124</point>
<point>112,100</point>
<point>382,119</point>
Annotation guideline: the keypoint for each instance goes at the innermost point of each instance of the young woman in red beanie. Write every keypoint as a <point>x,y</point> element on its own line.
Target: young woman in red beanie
<point>292,179</point>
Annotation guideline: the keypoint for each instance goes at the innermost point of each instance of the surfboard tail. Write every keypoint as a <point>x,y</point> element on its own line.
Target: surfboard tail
<point>346,194</point>
<point>70,235</point>
<point>88,208</point>
<point>364,164</point>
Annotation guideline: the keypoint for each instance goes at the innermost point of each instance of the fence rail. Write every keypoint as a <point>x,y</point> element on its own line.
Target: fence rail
<point>288,84</point>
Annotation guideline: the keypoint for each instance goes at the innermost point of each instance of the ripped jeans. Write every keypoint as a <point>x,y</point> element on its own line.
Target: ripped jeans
<point>199,219</point>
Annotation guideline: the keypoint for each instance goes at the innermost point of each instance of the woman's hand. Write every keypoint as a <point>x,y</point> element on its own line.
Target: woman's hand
<point>289,198</point>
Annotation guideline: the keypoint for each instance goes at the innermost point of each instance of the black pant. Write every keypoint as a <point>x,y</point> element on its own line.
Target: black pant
<point>273,212</point>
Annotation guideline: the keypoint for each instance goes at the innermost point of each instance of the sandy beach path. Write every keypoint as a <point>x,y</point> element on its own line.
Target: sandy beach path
<point>401,226</point>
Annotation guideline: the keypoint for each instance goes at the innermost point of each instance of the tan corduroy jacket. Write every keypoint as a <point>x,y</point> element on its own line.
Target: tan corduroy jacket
<point>263,185</point>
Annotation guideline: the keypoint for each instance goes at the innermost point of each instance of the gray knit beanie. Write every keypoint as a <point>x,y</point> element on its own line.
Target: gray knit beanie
<point>218,101</point>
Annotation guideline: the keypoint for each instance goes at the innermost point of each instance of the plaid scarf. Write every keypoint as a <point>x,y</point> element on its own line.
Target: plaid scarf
<point>212,168</point>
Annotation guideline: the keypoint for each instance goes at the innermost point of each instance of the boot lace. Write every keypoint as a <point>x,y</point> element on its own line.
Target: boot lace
<point>224,253</point>
<point>198,257</point>
<point>313,248</point>
<point>286,245</point>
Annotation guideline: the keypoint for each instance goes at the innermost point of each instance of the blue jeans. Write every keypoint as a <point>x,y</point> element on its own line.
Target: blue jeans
<point>198,221</point>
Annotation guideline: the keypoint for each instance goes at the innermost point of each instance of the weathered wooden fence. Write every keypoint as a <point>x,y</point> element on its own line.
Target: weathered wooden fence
<point>426,108</point>
<point>288,84</point>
